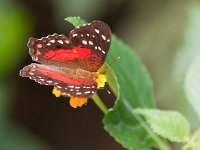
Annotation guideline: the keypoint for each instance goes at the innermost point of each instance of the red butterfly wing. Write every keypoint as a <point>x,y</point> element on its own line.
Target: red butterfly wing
<point>67,83</point>
<point>95,36</point>
<point>56,49</point>
<point>53,47</point>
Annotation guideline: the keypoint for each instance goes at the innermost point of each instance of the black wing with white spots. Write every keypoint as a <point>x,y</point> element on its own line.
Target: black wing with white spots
<point>97,37</point>
<point>55,42</point>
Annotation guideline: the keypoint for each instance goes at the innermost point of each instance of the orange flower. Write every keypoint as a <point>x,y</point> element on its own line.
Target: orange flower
<point>77,102</point>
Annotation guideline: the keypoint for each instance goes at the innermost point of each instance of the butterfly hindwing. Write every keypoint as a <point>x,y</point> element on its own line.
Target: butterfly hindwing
<point>67,85</point>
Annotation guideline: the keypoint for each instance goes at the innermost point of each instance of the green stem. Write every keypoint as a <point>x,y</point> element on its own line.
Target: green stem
<point>162,145</point>
<point>99,103</point>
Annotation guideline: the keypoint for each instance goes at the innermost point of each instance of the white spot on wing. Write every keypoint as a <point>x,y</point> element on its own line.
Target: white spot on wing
<point>99,48</point>
<point>90,42</point>
<point>74,35</point>
<point>96,30</point>
<point>84,42</point>
<point>78,93</point>
<point>87,92</point>
<point>52,41</point>
<point>103,37</point>
<point>70,86</point>
<point>103,52</point>
<point>67,41</point>
<point>108,40</point>
<point>31,73</point>
<point>60,41</point>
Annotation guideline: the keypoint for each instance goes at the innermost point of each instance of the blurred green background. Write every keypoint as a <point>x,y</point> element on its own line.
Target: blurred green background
<point>164,33</point>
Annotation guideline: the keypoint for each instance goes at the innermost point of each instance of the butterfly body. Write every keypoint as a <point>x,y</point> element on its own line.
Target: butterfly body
<point>70,64</point>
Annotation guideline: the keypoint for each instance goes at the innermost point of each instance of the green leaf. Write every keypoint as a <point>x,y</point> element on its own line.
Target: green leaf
<point>75,21</point>
<point>192,85</point>
<point>168,124</point>
<point>135,91</point>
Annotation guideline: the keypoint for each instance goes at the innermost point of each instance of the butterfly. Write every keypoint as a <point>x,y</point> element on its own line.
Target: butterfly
<point>70,63</point>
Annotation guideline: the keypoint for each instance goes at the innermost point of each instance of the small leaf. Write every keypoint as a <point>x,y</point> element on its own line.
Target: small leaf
<point>192,86</point>
<point>168,124</point>
<point>76,21</point>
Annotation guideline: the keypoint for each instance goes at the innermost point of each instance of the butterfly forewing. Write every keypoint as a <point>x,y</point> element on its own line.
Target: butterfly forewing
<point>95,36</point>
<point>53,48</point>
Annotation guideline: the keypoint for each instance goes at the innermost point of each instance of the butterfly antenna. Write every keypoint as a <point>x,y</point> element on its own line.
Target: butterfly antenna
<point>109,66</point>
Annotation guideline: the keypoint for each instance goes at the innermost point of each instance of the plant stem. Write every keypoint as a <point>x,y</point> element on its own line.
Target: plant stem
<point>100,104</point>
<point>161,144</point>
